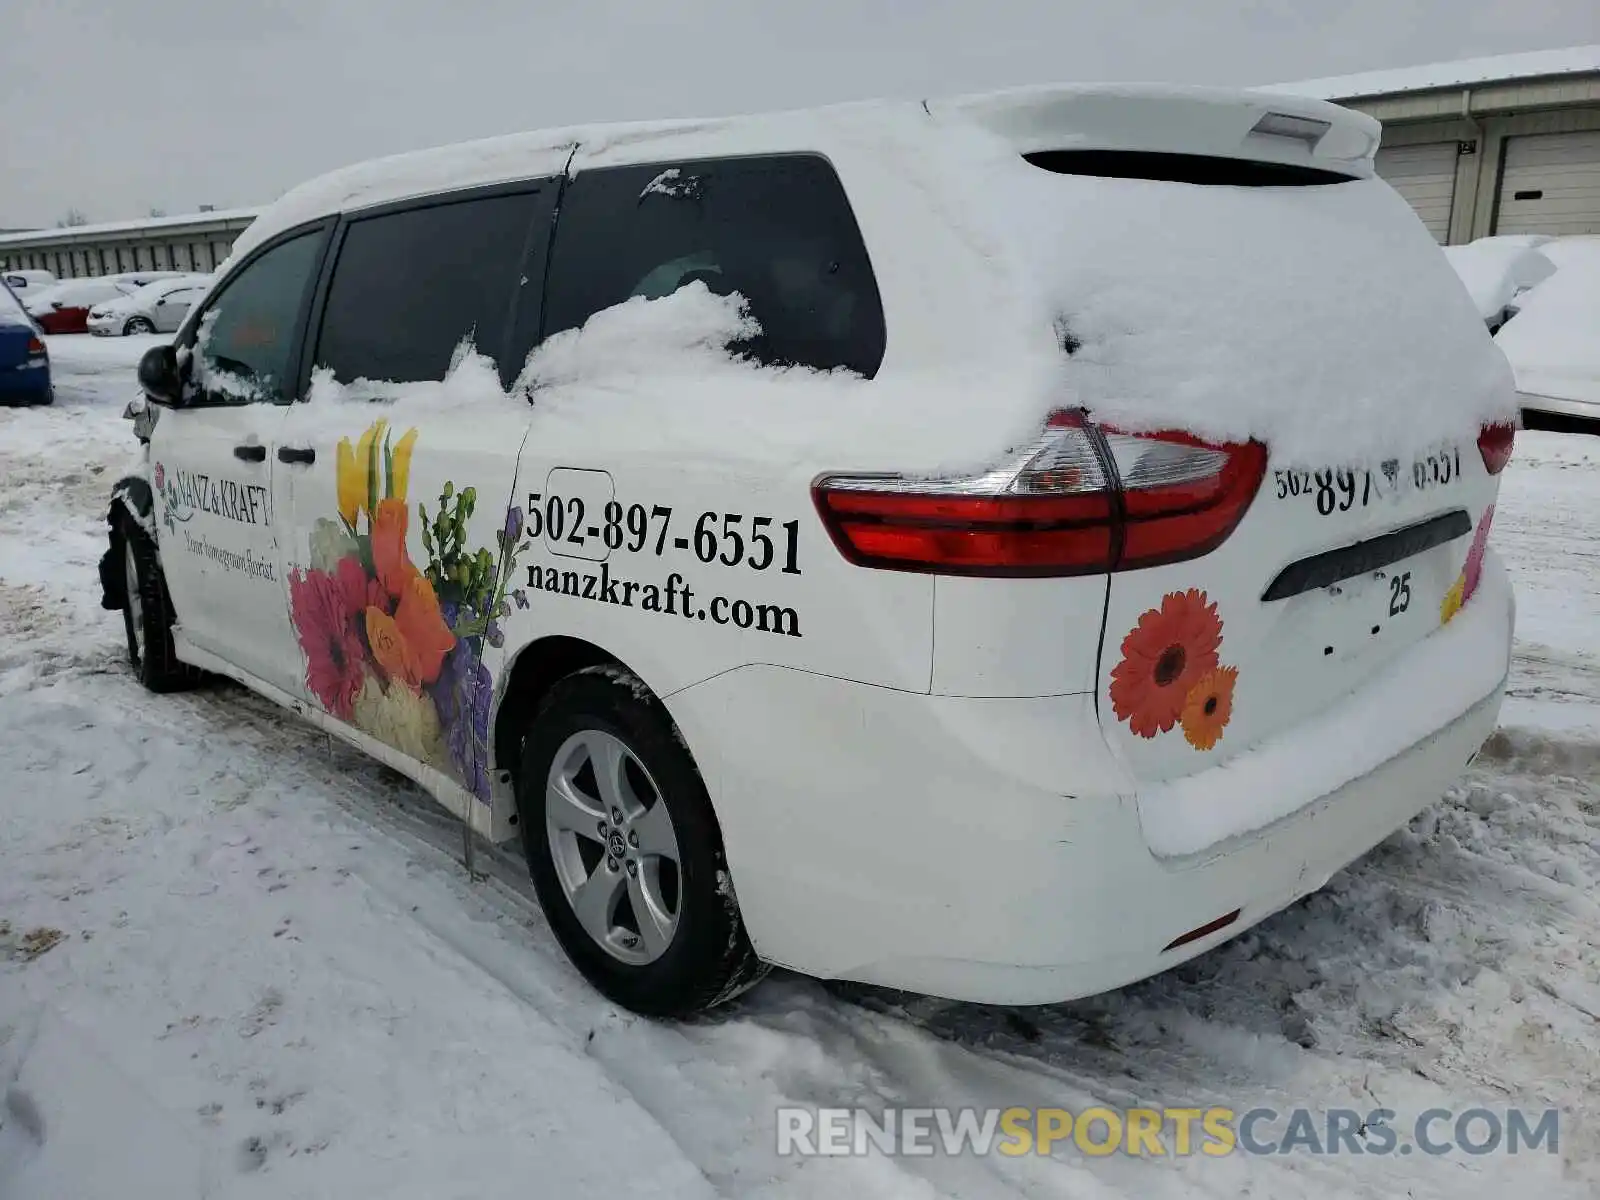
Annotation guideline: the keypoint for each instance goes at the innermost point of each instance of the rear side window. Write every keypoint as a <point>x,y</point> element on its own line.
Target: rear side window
<point>777,230</point>
<point>409,286</point>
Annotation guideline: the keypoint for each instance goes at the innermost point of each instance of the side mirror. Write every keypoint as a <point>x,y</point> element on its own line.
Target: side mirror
<point>158,376</point>
<point>161,302</point>
<point>56,304</point>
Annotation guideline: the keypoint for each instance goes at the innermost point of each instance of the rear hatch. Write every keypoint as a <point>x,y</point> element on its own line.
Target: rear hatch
<point>1290,382</point>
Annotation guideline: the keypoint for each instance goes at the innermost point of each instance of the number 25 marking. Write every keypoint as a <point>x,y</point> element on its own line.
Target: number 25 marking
<point>1399,593</point>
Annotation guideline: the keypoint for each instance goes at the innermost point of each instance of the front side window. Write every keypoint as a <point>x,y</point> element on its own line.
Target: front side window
<point>778,230</point>
<point>245,340</point>
<point>409,286</point>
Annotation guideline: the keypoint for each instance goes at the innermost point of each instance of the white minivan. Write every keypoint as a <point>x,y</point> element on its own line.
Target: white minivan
<point>998,548</point>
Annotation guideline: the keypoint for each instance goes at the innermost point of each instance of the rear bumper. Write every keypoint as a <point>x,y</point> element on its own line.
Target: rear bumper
<point>994,850</point>
<point>25,383</point>
<point>1145,909</point>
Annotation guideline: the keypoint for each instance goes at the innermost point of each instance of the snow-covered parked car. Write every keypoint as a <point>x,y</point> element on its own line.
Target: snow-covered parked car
<point>22,281</point>
<point>1496,271</point>
<point>1553,344</point>
<point>157,307</point>
<point>994,548</point>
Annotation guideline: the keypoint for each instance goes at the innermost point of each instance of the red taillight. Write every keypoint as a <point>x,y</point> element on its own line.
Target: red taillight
<point>36,347</point>
<point>1079,500</point>
<point>1495,443</point>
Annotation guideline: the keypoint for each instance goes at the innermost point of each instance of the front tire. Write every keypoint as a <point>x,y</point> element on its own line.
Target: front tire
<point>137,325</point>
<point>625,851</point>
<point>147,616</point>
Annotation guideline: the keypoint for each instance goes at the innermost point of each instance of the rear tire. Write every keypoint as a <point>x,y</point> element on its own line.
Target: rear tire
<point>608,850</point>
<point>147,616</point>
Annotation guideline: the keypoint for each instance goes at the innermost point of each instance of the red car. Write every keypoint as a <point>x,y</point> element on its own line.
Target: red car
<point>64,308</point>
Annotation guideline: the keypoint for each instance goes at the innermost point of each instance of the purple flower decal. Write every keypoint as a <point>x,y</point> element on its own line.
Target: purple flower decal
<point>463,695</point>
<point>495,636</point>
<point>520,596</point>
<point>513,524</point>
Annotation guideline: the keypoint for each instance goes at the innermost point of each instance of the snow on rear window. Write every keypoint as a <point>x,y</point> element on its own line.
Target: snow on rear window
<point>1321,320</point>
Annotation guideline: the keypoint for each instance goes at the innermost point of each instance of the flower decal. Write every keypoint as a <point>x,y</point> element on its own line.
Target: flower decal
<point>1471,572</point>
<point>1452,602</point>
<point>1208,706</point>
<point>395,645</point>
<point>1163,657</point>
<point>1170,672</point>
<point>325,626</point>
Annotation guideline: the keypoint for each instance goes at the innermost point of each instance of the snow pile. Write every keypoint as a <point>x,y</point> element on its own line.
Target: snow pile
<point>1496,270</point>
<point>687,332</point>
<point>665,377</point>
<point>1553,343</point>
<point>472,379</point>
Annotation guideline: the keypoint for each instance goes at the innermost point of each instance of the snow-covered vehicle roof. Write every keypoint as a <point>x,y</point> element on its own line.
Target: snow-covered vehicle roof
<point>994,222</point>
<point>1087,115</point>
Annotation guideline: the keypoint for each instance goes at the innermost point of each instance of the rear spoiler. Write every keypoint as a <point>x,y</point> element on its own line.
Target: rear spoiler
<point>1148,119</point>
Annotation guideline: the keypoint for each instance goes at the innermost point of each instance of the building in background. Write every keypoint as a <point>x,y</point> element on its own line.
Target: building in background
<point>1489,145</point>
<point>192,242</point>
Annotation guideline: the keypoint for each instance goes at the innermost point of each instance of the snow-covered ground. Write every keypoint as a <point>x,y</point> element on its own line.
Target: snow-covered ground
<point>274,978</point>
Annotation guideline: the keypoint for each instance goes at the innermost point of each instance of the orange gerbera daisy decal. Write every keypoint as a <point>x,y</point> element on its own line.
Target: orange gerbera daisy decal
<point>1163,657</point>
<point>1208,706</point>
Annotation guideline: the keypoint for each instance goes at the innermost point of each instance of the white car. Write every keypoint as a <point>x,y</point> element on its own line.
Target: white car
<point>21,281</point>
<point>157,307</point>
<point>1551,342</point>
<point>993,548</point>
<point>1498,270</point>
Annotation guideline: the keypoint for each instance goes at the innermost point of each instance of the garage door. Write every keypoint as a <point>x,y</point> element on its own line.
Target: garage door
<point>1426,176</point>
<point>1551,184</point>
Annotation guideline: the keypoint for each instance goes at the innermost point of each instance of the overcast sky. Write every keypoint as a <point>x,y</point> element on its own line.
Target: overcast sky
<point>114,106</point>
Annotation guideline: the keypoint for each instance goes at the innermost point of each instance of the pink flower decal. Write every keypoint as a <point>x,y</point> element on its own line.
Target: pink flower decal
<point>1473,571</point>
<point>327,632</point>
<point>161,478</point>
<point>358,591</point>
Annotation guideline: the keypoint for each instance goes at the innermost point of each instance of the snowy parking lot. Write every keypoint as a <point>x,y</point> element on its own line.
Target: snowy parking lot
<point>238,960</point>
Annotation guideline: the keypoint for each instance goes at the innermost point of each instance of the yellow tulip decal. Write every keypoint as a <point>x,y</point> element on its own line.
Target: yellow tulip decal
<point>368,462</point>
<point>372,471</point>
<point>352,483</point>
<point>400,465</point>
<point>1452,602</point>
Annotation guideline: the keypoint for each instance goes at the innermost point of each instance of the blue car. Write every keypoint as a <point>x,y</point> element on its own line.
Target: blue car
<point>24,360</point>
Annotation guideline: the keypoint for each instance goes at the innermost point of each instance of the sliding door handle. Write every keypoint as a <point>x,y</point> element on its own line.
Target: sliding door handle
<point>296,454</point>
<point>250,453</point>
